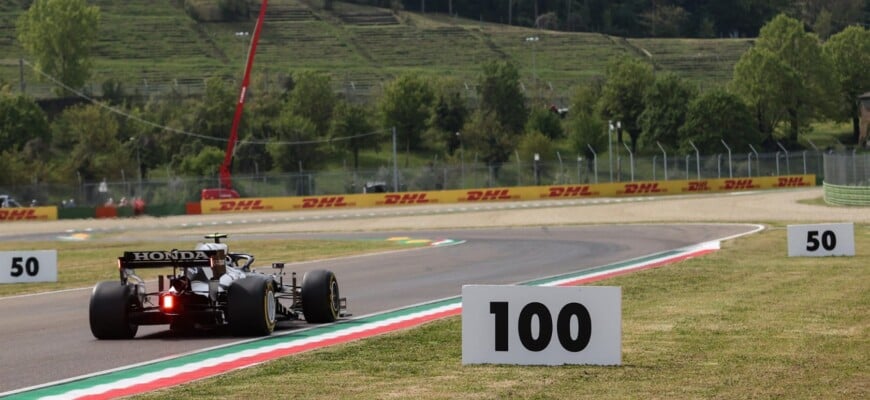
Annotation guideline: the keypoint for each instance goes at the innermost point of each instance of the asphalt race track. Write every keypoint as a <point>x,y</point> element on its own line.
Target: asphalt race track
<point>46,337</point>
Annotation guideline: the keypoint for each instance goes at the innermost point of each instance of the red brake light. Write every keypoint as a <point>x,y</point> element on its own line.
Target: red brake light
<point>167,302</point>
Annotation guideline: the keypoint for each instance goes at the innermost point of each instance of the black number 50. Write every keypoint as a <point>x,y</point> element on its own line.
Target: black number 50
<point>545,326</point>
<point>21,266</point>
<point>828,240</point>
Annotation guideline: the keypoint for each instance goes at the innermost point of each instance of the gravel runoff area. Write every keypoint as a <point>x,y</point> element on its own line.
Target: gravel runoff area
<point>753,207</point>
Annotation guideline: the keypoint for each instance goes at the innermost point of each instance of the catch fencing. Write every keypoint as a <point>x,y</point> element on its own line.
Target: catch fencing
<point>554,169</point>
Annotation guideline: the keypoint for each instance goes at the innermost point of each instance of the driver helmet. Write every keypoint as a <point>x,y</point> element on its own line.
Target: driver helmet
<point>218,246</point>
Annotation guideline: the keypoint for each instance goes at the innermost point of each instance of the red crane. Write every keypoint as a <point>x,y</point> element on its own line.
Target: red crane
<point>226,190</point>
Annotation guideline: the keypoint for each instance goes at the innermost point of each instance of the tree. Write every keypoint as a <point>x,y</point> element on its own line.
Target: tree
<point>165,145</point>
<point>204,163</point>
<point>485,135</point>
<point>352,129</point>
<point>261,116</point>
<point>448,114</point>
<point>86,138</point>
<point>585,127</point>
<point>24,139</point>
<point>665,21</point>
<point>829,16</point>
<point>312,97</point>
<point>59,35</point>
<point>545,121</point>
<point>824,24</point>
<point>500,93</point>
<point>234,10</point>
<point>251,158</point>
<point>761,76</point>
<point>296,144</point>
<point>547,21</point>
<point>627,79</point>
<point>664,113</point>
<point>406,105</point>
<point>15,167</point>
<point>21,120</point>
<point>214,114</point>
<point>785,76</point>
<point>113,91</point>
<point>742,17</point>
<point>534,143</point>
<point>718,115</point>
<point>140,140</point>
<point>849,51</point>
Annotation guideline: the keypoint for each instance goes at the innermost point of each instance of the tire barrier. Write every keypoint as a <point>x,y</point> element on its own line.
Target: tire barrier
<point>842,195</point>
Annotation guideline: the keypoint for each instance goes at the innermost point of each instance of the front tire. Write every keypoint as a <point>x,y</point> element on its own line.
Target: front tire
<point>320,299</point>
<point>251,307</point>
<point>109,311</point>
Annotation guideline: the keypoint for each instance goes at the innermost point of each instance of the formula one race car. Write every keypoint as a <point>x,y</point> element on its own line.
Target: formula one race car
<point>209,287</point>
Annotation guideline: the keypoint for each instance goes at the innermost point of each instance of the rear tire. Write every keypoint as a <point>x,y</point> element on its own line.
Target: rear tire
<point>320,298</point>
<point>251,306</point>
<point>109,311</point>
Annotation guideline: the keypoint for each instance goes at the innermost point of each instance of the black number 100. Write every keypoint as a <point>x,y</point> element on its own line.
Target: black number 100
<point>545,326</point>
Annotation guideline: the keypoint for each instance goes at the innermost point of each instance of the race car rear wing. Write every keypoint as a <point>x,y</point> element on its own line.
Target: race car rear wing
<point>215,259</point>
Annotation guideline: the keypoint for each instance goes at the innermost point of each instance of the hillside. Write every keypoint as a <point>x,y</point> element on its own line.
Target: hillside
<point>153,47</point>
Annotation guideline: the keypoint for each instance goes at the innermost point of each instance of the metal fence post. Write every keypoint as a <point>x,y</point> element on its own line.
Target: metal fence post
<point>579,166</point>
<point>854,166</point>
<point>630,160</point>
<point>749,163</point>
<point>688,156</point>
<point>665,162</point>
<point>395,164</point>
<point>697,161</point>
<point>818,157</point>
<point>777,162</point>
<point>594,161</point>
<point>787,166</point>
<point>757,161</point>
<point>730,174</point>
<point>804,156</point>
<point>461,161</point>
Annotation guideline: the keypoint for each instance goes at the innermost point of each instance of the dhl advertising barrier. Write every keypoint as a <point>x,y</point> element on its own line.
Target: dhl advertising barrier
<point>620,189</point>
<point>28,214</point>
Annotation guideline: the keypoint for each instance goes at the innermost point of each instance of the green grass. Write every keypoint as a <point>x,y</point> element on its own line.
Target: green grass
<point>706,61</point>
<point>825,134</point>
<point>744,322</point>
<point>156,42</point>
<point>818,201</point>
<point>82,264</point>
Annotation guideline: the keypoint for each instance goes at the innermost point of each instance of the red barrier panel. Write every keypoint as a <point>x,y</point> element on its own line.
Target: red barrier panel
<point>193,208</point>
<point>107,212</point>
